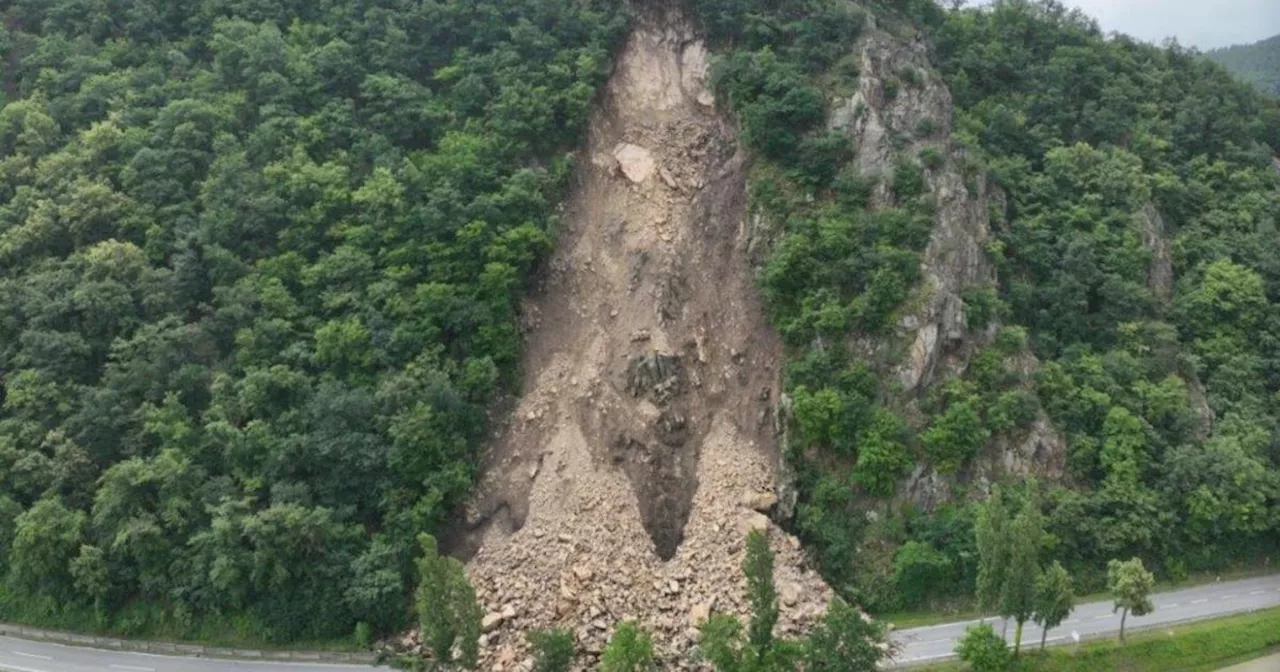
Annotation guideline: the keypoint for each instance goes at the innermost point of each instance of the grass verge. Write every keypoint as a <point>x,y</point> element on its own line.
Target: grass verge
<point>965,611</point>
<point>152,622</point>
<point>1195,647</point>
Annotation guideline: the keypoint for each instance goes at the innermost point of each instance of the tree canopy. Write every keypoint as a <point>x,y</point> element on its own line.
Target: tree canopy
<point>259,270</point>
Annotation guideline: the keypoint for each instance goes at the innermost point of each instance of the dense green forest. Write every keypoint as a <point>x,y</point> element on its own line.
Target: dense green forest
<point>1110,152</point>
<point>258,264</point>
<point>1257,63</point>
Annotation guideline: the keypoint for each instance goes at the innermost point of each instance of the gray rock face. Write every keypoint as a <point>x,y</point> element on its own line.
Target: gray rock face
<point>902,107</point>
<point>1160,274</point>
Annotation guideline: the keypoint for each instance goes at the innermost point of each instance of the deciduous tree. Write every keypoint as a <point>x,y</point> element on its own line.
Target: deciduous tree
<point>1055,599</point>
<point>1130,585</point>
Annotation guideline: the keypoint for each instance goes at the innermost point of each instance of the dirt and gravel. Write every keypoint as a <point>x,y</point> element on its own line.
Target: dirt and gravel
<point>643,446</point>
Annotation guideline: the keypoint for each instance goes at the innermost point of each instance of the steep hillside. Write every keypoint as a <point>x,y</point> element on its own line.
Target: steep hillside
<point>643,446</point>
<point>1257,63</point>
<point>259,269</point>
<point>600,287</point>
<point>1084,332</point>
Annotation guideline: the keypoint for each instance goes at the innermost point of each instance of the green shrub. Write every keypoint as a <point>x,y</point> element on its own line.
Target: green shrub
<point>1013,409</point>
<point>921,571</point>
<point>982,306</point>
<point>553,650</point>
<point>908,181</point>
<point>984,650</point>
<point>363,635</point>
<point>931,158</point>
<point>911,77</point>
<point>630,650</point>
<point>955,436</point>
<point>891,86</point>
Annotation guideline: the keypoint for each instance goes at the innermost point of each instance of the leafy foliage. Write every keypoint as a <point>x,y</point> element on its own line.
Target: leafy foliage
<point>1130,584</point>
<point>260,263</point>
<point>1018,594</point>
<point>761,593</point>
<point>1054,600</point>
<point>448,614</point>
<point>844,641</point>
<point>1135,253</point>
<point>629,650</point>
<point>983,649</point>
<point>553,650</point>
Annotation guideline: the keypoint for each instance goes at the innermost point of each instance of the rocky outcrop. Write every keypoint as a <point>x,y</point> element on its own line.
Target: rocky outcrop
<point>1160,272</point>
<point>901,110</point>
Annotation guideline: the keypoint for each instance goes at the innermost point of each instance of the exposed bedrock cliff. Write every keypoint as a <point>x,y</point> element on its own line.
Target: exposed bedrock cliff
<point>901,111</point>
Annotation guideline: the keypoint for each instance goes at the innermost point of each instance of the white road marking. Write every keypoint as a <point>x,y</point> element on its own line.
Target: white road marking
<point>1199,601</point>
<point>1227,597</point>
<point>1099,618</point>
<point>7,667</point>
<point>1074,620</point>
<point>936,641</point>
<point>32,655</point>
<point>946,625</point>
<point>133,667</point>
<point>1258,592</point>
<point>1170,606</point>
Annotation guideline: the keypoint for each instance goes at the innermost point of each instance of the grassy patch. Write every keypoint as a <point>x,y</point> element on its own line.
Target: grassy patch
<point>1195,647</point>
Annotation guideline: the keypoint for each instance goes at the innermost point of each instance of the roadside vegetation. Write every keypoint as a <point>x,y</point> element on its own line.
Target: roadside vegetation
<point>1197,647</point>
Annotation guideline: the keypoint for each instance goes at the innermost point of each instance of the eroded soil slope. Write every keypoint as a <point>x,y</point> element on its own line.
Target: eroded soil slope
<point>643,444</point>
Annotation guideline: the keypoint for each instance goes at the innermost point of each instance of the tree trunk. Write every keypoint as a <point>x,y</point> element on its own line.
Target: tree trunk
<point>1044,634</point>
<point>1004,631</point>
<point>1123,615</point>
<point>1017,639</point>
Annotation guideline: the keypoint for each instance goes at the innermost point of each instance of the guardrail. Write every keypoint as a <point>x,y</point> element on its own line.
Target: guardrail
<point>190,650</point>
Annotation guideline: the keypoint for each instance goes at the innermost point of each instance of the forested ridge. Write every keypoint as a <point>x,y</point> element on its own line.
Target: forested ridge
<point>260,259</point>
<point>1257,63</point>
<point>259,269</point>
<point>1137,301</point>
<point>1138,251</point>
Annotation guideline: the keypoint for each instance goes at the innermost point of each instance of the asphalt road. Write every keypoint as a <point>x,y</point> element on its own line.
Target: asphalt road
<point>918,644</point>
<point>1215,599</point>
<point>20,655</point>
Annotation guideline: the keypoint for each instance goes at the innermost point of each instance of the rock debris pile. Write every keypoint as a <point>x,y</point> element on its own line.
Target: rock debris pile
<point>643,447</point>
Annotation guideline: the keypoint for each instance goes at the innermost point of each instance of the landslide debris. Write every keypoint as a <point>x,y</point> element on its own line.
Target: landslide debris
<point>643,446</point>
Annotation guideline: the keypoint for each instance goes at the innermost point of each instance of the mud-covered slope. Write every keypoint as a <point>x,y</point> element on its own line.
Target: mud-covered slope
<point>644,441</point>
